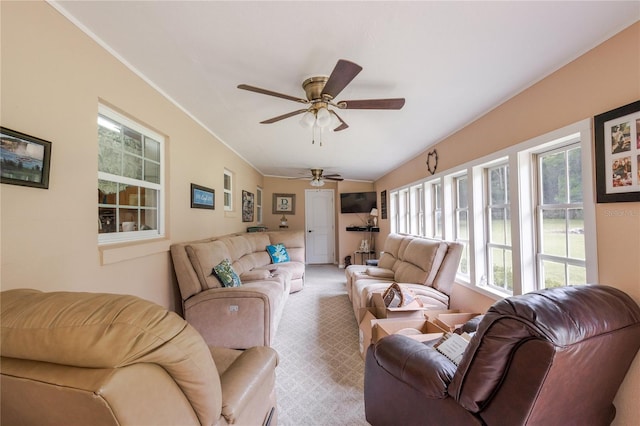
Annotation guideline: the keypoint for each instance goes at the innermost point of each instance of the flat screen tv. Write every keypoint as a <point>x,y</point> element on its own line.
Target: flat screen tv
<point>357,202</point>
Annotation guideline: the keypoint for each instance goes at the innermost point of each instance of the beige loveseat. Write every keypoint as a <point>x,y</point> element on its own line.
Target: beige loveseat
<point>425,266</point>
<point>106,359</point>
<point>244,316</point>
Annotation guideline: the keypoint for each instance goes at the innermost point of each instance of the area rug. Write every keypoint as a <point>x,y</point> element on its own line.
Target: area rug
<point>319,380</point>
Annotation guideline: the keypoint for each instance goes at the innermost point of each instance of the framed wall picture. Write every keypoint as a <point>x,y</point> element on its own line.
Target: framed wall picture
<point>383,204</point>
<point>284,203</point>
<point>24,159</point>
<point>247,206</point>
<point>202,197</point>
<point>617,144</point>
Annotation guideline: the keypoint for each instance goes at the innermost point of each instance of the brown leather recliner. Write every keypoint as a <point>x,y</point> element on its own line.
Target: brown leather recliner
<point>106,359</point>
<point>552,357</point>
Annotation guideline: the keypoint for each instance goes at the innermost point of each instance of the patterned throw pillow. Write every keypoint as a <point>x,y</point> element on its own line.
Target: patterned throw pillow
<point>228,277</point>
<point>278,253</point>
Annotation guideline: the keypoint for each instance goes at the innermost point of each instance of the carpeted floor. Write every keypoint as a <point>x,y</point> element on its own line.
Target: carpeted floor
<point>320,375</point>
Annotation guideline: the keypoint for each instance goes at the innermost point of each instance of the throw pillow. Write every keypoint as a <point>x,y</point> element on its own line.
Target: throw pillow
<point>278,253</point>
<point>228,277</point>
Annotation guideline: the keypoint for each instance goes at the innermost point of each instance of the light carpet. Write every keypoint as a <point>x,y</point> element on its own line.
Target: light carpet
<point>319,380</point>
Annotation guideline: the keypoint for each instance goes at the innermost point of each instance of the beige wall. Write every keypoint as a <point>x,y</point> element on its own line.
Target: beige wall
<point>603,79</point>
<point>53,77</point>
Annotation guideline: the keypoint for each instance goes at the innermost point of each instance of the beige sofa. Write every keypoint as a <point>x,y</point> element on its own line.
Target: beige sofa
<point>425,266</point>
<point>107,359</point>
<point>245,316</point>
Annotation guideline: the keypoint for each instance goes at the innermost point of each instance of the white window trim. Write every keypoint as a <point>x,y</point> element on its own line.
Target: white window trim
<point>523,232</point>
<point>124,237</point>
<point>259,211</point>
<point>229,191</point>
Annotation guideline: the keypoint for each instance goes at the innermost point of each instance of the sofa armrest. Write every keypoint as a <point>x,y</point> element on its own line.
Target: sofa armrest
<point>415,363</point>
<point>249,381</point>
<point>236,317</point>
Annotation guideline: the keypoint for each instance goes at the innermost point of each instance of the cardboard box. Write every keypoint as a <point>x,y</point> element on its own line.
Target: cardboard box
<point>366,322</point>
<point>451,321</point>
<point>381,311</point>
<point>423,330</point>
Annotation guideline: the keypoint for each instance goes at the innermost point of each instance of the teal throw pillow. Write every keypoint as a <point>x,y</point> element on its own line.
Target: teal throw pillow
<point>225,273</point>
<point>278,253</point>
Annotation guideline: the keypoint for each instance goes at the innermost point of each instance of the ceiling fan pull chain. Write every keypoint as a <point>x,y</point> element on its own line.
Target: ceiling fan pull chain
<point>321,136</point>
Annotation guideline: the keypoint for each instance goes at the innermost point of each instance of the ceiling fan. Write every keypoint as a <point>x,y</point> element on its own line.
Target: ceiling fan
<point>317,177</point>
<point>321,92</point>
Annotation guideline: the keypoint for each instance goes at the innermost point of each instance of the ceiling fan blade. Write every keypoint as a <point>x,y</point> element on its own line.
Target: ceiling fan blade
<point>271,93</point>
<point>342,74</point>
<point>395,103</point>
<point>342,125</point>
<point>283,116</point>
<point>334,177</point>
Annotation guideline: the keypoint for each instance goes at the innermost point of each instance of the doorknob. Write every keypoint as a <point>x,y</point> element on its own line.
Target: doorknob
<point>309,230</point>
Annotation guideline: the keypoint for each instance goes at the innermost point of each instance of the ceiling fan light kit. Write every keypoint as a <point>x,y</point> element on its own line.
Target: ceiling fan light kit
<point>318,178</point>
<point>320,94</point>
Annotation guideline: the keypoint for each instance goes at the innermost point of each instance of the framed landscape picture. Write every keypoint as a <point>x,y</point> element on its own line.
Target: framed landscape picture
<point>24,159</point>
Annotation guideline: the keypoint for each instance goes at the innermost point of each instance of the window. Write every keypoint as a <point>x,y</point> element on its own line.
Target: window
<point>561,243</point>
<point>523,214</point>
<point>416,211</point>
<point>436,210</point>
<point>403,211</point>
<point>499,262</point>
<point>393,212</point>
<point>461,221</point>
<point>228,191</point>
<point>130,179</point>
<point>259,204</point>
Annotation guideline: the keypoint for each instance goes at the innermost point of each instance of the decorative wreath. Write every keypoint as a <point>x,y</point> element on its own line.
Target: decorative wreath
<point>432,161</point>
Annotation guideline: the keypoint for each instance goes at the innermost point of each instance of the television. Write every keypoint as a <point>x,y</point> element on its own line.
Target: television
<point>357,202</point>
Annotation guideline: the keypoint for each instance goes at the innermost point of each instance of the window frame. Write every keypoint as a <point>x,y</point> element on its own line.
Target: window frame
<point>259,211</point>
<point>541,206</point>
<point>137,235</point>
<point>227,193</point>
<point>457,209</point>
<point>490,243</point>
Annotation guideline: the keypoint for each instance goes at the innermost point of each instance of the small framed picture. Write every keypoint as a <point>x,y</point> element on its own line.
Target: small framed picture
<point>24,159</point>
<point>202,197</point>
<point>247,206</point>
<point>284,203</point>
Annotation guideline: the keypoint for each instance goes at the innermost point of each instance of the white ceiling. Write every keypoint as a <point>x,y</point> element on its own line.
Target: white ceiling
<point>452,61</point>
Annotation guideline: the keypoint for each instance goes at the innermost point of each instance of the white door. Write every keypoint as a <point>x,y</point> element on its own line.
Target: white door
<point>319,216</point>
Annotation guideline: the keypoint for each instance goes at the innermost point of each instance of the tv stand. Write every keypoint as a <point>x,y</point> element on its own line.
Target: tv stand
<point>363,228</point>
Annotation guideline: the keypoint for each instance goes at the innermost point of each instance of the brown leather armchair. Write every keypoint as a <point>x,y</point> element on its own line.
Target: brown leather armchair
<point>106,359</point>
<point>552,357</point>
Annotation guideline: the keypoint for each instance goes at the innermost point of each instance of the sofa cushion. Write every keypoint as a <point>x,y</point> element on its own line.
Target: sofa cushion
<point>255,275</point>
<point>377,272</point>
<point>278,253</point>
<point>421,261</point>
<point>227,276</point>
<point>204,256</point>
<point>293,241</point>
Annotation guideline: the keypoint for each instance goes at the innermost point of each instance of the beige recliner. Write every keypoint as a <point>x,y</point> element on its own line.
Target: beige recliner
<point>106,359</point>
